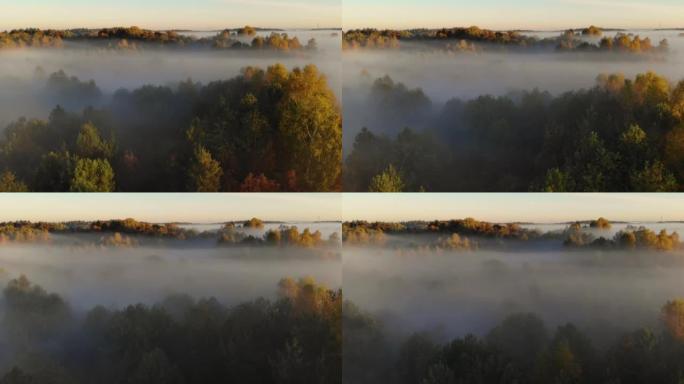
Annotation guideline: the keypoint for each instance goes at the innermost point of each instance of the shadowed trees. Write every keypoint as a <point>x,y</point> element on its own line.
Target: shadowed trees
<point>295,338</point>
<point>520,349</point>
<point>621,135</point>
<point>265,130</point>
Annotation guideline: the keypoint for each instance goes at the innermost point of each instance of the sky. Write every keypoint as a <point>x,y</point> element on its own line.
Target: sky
<point>170,14</point>
<point>513,207</point>
<point>513,14</point>
<point>170,207</point>
<point>213,208</point>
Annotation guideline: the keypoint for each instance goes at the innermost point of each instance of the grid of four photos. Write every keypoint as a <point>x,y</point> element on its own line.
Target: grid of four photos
<point>300,192</point>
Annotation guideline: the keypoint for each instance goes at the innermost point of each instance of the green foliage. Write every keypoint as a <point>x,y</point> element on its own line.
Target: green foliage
<point>621,135</point>
<point>89,144</point>
<point>387,181</point>
<point>473,39</point>
<point>92,175</point>
<point>9,183</point>
<point>265,130</point>
<point>294,339</point>
<point>135,38</point>
<point>204,173</point>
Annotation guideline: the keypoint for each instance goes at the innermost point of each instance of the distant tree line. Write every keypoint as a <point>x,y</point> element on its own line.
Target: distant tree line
<point>126,232</point>
<point>630,238</point>
<point>464,234</point>
<point>265,130</point>
<point>476,39</point>
<point>132,38</point>
<point>294,339</point>
<point>521,349</point>
<point>621,135</point>
<point>282,236</point>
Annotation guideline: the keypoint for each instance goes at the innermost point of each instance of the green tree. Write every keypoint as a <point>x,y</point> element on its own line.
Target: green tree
<point>92,175</point>
<point>388,181</point>
<point>204,173</point>
<point>89,143</point>
<point>55,172</point>
<point>557,181</point>
<point>9,183</point>
<point>653,177</point>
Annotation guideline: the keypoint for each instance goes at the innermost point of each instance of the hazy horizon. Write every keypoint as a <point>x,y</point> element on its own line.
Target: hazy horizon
<point>198,208</point>
<point>172,14</point>
<point>540,208</point>
<point>524,14</point>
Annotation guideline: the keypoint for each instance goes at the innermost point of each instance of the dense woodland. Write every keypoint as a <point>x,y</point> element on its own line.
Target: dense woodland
<point>521,349</point>
<point>134,38</point>
<point>473,39</point>
<point>265,130</point>
<point>621,135</point>
<point>294,339</point>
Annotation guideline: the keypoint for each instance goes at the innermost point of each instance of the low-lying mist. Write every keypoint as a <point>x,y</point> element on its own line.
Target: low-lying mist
<point>146,274</point>
<point>22,92</point>
<point>128,301</point>
<point>443,76</point>
<point>452,294</point>
<point>114,269</point>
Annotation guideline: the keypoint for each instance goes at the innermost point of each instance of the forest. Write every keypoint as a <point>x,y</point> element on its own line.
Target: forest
<point>520,349</point>
<point>474,301</point>
<point>262,131</point>
<point>130,232</point>
<point>134,38</point>
<point>474,39</point>
<point>471,234</point>
<point>621,134</point>
<point>295,338</point>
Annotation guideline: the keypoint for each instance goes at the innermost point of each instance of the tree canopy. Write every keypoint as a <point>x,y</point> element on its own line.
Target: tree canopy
<point>265,130</point>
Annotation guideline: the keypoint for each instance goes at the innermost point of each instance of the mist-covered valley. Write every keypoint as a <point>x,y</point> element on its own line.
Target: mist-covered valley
<point>115,300</point>
<point>159,86</point>
<point>519,111</point>
<point>470,300</point>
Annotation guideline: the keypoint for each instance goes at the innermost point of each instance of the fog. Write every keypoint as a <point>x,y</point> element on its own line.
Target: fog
<point>22,87</point>
<point>86,274</point>
<point>79,308</point>
<point>453,293</point>
<point>467,75</point>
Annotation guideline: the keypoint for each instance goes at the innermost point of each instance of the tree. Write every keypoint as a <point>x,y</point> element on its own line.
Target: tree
<point>388,181</point>
<point>92,175</point>
<point>259,183</point>
<point>673,318</point>
<point>557,181</point>
<point>653,177</point>
<point>311,128</point>
<point>89,143</point>
<point>9,183</point>
<point>55,172</point>
<point>600,223</point>
<point>522,337</point>
<point>204,173</point>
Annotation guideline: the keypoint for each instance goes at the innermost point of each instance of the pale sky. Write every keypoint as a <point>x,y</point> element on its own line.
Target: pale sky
<point>513,14</point>
<point>211,208</point>
<point>170,14</point>
<point>169,207</point>
<point>525,207</point>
